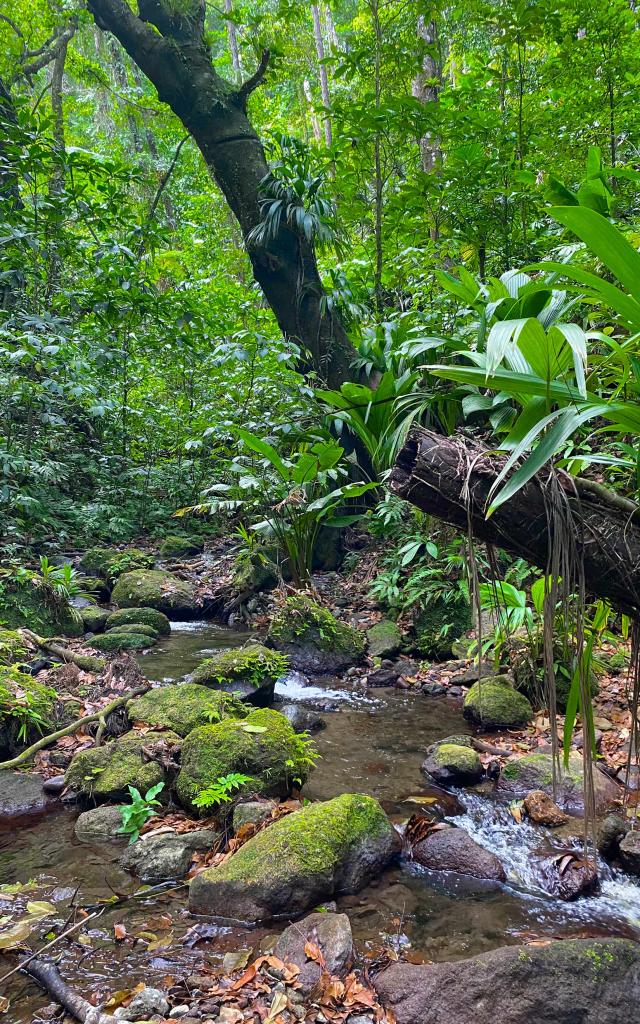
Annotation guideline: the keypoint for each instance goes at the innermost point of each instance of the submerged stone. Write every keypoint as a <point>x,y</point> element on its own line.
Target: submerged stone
<point>494,704</point>
<point>21,795</point>
<point>153,588</point>
<point>300,860</point>
<point>183,707</point>
<point>105,772</point>
<point>314,640</point>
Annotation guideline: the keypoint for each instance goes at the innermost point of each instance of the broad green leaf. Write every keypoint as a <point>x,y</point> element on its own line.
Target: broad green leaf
<point>605,241</point>
<point>262,447</point>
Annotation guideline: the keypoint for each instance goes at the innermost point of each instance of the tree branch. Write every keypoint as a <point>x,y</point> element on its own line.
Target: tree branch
<point>252,83</point>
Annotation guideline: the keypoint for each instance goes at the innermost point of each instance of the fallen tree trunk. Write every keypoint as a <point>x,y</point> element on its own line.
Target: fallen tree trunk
<point>451,477</point>
<point>48,977</point>
<point>83,661</point>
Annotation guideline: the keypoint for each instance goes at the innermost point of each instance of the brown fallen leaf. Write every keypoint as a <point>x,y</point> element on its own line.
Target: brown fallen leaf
<point>120,932</point>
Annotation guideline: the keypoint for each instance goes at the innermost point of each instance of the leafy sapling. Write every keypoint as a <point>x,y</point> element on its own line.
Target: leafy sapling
<point>139,811</point>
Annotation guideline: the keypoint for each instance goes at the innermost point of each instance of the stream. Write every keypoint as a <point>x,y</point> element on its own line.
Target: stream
<point>374,742</point>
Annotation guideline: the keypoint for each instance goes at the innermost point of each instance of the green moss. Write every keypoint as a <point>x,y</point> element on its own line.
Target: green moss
<point>262,746</point>
<point>113,643</point>
<point>528,675</point>
<point>105,772</point>
<point>12,647</point>
<point>251,575</point>
<point>315,839</point>
<point>302,621</point>
<point>109,563</point>
<point>94,619</point>
<point>384,639</point>
<point>26,707</point>
<point>176,546</point>
<point>254,664</point>
<point>132,616</point>
<point>462,759</point>
<point>96,561</point>
<point>184,707</point>
<point>22,603</point>
<point>439,626</point>
<point>135,627</point>
<point>152,588</point>
<point>494,703</point>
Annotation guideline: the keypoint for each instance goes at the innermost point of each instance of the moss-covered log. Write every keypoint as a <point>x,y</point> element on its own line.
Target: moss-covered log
<point>451,477</point>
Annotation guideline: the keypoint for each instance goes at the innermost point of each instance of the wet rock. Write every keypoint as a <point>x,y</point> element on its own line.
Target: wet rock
<point>304,858</point>
<point>564,982</point>
<point>314,640</point>
<point>331,933</point>
<point>471,673</point>
<point>301,719</point>
<point>453,762</point>
<point>384,639</point>
<point>453,849</point>
<point>383,677</point>
<point>184,707</point>
<point>94,618</point>
<point>144,1005</point>
<point>612,829</point>
<point>21,794</point>
<point>252,812</point>
<point>115,643</point>
<point>568,876</point>
<point>434,689</point>
<point>249,673</point>
<point>455,691</point>
<point>535,771</point>
<point>54,786</point>
<point>153,588</point>
<point>145,616</point>
<point>542,810</point>
<point>105,773</point>
<point>159,858</point>
<point>99,825</point>
<point>176,546</point>
<point>263,747</point>
<point>630,852</point>
<point>494,704</point>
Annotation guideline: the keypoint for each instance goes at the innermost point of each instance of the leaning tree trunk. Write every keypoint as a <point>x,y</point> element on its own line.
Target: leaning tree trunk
<point>168,44</point>
<point>450,478</point>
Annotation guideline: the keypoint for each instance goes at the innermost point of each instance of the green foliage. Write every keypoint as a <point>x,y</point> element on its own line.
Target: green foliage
<point>26,706</point>
<point>221,791</point>
<point>139,811</point>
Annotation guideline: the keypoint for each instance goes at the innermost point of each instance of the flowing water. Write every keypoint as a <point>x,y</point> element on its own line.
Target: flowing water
<point>374,742</point>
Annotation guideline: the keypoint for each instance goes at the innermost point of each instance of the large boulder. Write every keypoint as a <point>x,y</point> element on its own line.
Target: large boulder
<point>94,618</point>
<point>12,648</point>
<point>576,981</point>
<point>250,672</point>
<point>630,851</point>
<point>24,604</point>
<point>439,626</point>
<point>300,860</point>
<point>494,704</point>
<point>153,588</point>
<point>314,640</point>
<point>184,707</point>
<point>159,858</point>
<point>453,762</point>
<point>110,563</point>
<point>21,795</point>
<point>139,628</point>
<point>177,546</point>
<point>263,746</point>
<point>453,849</point>
<point>26,708</point>
<point>140,616</point>
<point>104,773</point>
<point>384,639</point>
<point>535,771</point>
<point>331,933</point>
<point>115,643</point>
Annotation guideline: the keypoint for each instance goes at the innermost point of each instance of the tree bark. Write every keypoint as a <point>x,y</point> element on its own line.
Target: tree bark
<point>48,977</point>
<point>233,40</point>
<point>322,73</point>
<point>425,88</point>
<point>450,478</point>
<point>9,187</point>
<point>169,46</point>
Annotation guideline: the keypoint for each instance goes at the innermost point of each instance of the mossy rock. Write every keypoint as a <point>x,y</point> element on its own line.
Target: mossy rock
<point>453,762</point>
<point>37,608</point>
<point>384,639</point>
<point>253,575</point>
<point>136,616</point>
<point>135,627</point>
<point>184,707</point>
<point>299,861</point>
<point>113,643</point>
<point>23,703</point>
<point>12,648</point>
<point>94,619</point>
<point>249,672</point>
<point>153,588</point>
<point>529,677</point>
<point>535,771</point>
<point>110,563</point>
<point>494,704</point>
<point>104,773</point>
<point>262,746</point>
<point>176,546</point>
<point>439,626</point>
<point>315,641</point>
<point>96,561</point>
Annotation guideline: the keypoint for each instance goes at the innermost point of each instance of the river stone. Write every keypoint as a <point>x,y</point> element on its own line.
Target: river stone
<point>453,849</point>
<point>494,704</point>
<point>304,858</point>
<point>568,880</point>
<point>612,829</point>
<point>159,858</point>
<point>21,794</point>
<point>99,825</point>
<point>384,639</point>
<point>94,618</point>
<point>252,812</point>
<point>534,771</point>
<point>249,673</point>
<point>154,588</point>
<point>331,933</point>
<point>302,719</point>
<point>575,981</point>
<point>184,707</point>
<point>176,546</point>
<point>630,852</point>
<point>106,772</point>
<point>542,810</point>
<point>314,640</point>
<point>453,762</point>
<point>115,643</point>
<point>145,1004</point>
<point>147,616</point>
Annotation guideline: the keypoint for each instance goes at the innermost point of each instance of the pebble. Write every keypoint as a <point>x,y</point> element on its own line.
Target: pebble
<point>433,689</point>
<point>455,691</point>
<point>180,1011</point>
<point>54,786</point>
